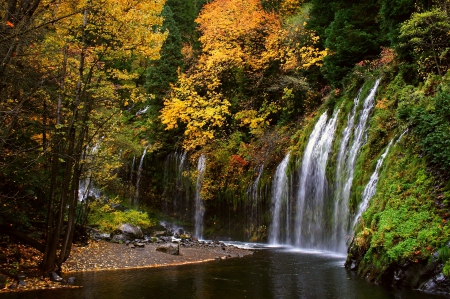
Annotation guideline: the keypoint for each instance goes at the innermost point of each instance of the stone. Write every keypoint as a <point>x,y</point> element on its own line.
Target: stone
<point>55,277</point>
<point>131,231</point>
<point>160,234</point>
<point>173,249</point>
<point>71,280</point>
<point>22,283</point>
<point>102,236</point>
<point>139,245</point>
<point>120,238</point>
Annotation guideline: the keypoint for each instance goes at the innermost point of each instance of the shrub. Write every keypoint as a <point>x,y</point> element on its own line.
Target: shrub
<point>108,219</point>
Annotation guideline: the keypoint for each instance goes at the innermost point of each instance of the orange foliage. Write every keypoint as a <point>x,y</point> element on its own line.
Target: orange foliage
<point>235,32</point>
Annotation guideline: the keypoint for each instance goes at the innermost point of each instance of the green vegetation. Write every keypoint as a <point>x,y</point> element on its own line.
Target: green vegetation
<point>241,82</point>
<point>108,219</point>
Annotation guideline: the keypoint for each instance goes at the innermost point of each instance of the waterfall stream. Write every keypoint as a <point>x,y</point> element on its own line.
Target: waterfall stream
<point>253,194</point>
<point>371,187</point>
<point>199,207</point>
<point>318,217</point>
<point>138,178</point>
<point>311,220</point>
<point>280,198</point>
<point>341,209</point>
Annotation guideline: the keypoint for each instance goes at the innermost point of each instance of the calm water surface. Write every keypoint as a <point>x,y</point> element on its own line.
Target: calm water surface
<point>269,273</point>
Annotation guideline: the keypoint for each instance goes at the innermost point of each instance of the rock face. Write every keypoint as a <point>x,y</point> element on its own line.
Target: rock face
<point>172,248</point>
<point>423,275</point>
<point>131,231</point>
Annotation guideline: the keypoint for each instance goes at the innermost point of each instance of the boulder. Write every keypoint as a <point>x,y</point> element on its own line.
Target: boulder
<point>105,236</point>
<point>160,233</point>
<point>173,249</point>
<point>131,231</point>
<point>121,238</point>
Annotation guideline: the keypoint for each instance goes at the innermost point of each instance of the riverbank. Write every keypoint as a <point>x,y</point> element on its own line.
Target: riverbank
<point>112,256</point>
<point>103,256</point>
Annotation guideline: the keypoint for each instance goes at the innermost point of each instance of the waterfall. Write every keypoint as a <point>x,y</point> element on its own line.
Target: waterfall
<point>280,198</point>
<point>138,178</point>
<point>199,207</point>
<point>371,186</point>
<point>253,193</point>
<point>358,139</point>
<point>86,187</point>
<point>310,217</point>
<point>131,179</point>
<point>341,210</point>
<point>179,164</point>
<point>176,189</point>
<point>345,167</point>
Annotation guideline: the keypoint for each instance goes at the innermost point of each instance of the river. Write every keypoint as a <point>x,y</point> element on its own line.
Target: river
<point>269,273</point>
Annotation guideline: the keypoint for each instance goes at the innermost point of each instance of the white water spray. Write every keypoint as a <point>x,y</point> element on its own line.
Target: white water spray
<point>280,193</point>
<point>312,192</point>
<point>199,207</point>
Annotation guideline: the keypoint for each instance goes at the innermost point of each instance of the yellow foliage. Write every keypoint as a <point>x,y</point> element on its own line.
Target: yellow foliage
<point>290,7</point>
<point>202,115</point>
<point>257,121</point>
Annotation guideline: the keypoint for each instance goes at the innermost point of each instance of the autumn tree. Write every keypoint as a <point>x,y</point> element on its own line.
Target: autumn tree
<point>245,48</point>
<point>79,93</point>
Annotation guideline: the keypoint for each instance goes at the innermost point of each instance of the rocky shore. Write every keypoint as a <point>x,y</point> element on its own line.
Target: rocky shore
<point>102,255</point>
<point>118,252</point>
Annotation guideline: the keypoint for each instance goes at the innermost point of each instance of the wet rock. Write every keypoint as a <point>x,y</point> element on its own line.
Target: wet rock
<point>121,238</point>
<point>99,236</point>
<point>55,277</point>
<point>173,249</point>
<point>160,234</point>
<point>131,231</point>
<point>139,245</point>
<point>71,280</point>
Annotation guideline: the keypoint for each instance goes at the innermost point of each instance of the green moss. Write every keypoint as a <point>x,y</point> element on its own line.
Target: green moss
<point>406,224</point>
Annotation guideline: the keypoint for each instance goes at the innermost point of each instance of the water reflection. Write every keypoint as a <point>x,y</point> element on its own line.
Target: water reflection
<point>269,273</point>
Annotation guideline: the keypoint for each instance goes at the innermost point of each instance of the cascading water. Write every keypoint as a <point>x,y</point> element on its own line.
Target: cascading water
<point>138,178</point>
<point>371,187</point>
<point>358,139</point>
<point>176,187</point>
<point>280,205</point>
<point>199,207</point>
<point>346,162</point>
<point>341,211</point>
<point>311,221</point>
<point>253,193</point>
<point>322,219</point>
<point>181,159</point>
<point>131,180</point>
<point>86,186</point>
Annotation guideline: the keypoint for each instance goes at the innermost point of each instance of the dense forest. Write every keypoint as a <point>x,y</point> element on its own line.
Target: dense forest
<point>109,103</point>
